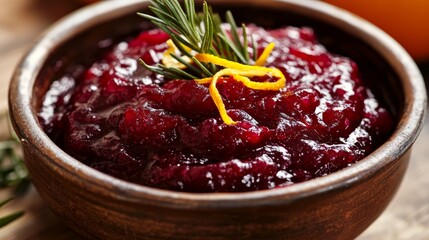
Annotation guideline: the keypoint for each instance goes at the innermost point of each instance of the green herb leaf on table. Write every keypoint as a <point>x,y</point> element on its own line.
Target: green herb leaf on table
<point>13,173</point>
<point>5,220</point>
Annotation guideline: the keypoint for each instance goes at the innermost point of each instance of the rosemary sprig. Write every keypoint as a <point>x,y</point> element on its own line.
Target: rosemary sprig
<point>12,169</point>
<point>200,32</point>
<point>13,172</point>
<point>5,220</point>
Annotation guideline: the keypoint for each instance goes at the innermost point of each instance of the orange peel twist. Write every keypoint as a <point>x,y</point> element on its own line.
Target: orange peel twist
<point>241,73</point>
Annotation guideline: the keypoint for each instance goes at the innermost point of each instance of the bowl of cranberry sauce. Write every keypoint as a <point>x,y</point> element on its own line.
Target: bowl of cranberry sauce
<point>119,151</point>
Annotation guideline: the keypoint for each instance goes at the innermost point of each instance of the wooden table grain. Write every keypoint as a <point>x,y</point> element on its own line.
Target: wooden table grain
<point>21,21</point>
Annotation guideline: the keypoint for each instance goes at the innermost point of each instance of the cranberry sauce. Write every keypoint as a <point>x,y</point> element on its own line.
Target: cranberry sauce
<point>135,125</point>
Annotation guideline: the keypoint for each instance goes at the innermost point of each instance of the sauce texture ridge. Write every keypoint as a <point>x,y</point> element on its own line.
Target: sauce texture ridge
<point>131,123</point>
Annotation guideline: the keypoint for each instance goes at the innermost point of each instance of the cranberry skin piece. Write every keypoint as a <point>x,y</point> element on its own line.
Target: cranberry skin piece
<point>289,131</point>
<point>186,98</point>
<point>265,169</point>
<point>216,139</point>
<point>315,55</point>
<point>149,38</point>
<point>148,127</point>
<point>299,103</point>
<point>232,176</point>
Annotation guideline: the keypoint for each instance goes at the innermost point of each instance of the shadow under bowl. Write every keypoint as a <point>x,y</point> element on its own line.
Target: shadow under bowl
<point>337,206</point>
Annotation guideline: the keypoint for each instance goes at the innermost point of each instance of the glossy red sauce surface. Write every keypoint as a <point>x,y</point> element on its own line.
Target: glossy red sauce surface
<point>135,125</point>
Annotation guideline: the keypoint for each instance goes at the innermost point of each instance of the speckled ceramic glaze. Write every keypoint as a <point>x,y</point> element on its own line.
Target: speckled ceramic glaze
<point>338,206</point>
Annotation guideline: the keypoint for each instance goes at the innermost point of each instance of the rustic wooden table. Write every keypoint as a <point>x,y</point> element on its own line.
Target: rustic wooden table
<point>21,21</point>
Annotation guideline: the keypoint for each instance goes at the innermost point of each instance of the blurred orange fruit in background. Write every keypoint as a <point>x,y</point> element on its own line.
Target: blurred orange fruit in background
<point>406,21</point>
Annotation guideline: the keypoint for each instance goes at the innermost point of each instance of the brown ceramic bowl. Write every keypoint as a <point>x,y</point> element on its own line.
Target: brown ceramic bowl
<point>338,206</point>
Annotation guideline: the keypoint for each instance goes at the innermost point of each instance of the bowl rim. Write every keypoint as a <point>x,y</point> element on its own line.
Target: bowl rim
<point>31,134</point>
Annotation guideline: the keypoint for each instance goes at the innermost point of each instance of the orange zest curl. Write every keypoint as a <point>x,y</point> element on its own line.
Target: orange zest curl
<point>169,61</point>
<point>265,54</point>
<point>241,73</point>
